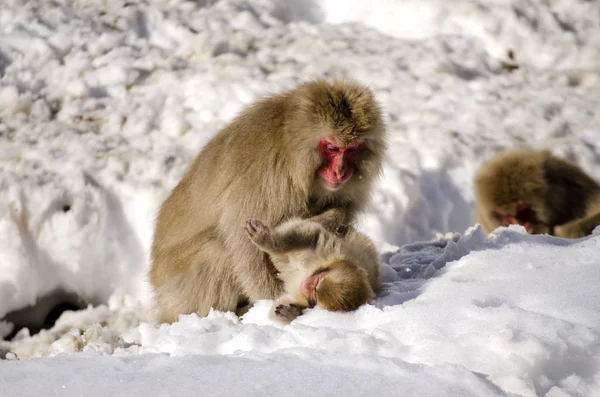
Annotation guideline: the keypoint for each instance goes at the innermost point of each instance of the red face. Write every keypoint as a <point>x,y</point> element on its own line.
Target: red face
<point>339,162</point>
<point>309,287</point>
<point>525,215</point>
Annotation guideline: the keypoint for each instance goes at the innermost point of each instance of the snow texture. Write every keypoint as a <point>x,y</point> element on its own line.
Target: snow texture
<point>103,104</point>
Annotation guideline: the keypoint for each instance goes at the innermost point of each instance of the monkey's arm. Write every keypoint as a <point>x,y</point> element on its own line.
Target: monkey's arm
<point>579,227</point>
<point>275,242</point>
<point>331,219</point>
<point>285,310</point>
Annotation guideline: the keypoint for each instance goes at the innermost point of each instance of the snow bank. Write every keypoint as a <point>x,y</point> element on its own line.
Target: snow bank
<point>522,310</point>
<point>508,313</point>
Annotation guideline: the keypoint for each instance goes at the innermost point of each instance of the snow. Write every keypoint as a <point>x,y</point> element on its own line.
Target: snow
<point>104,103</point>
<point>508,313</point>
<point>227,376</point>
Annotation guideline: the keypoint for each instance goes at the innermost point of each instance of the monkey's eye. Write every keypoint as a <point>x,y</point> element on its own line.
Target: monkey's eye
<point>320,270</point>
<point>354,149</point>
<point>332,148</point>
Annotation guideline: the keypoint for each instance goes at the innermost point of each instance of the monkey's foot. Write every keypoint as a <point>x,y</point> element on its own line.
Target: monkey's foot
<point>287,313</point>
<point>256,230</point>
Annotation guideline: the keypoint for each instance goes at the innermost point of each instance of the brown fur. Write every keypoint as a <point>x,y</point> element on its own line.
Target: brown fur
<point>346,286</point>
<point>263,164</point>
<point>303,248</point>
<point>565,200</point>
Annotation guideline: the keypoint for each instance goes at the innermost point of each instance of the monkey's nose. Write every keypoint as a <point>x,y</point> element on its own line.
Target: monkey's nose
<point>340,172</point>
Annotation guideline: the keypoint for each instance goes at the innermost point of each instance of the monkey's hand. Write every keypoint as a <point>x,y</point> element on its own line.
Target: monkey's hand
<point>332,219</point>
<point>344,230</point>
<point>328,244</point>
<point>258,232</point>
<point>286,313</point>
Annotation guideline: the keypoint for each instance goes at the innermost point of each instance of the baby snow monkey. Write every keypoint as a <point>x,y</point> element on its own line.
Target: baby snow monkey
<point>317,267</point>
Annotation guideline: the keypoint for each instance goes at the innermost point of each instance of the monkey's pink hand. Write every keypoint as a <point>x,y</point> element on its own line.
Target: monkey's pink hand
<point>256,230</point>
<point>510,220</point>
<point>287,313</point>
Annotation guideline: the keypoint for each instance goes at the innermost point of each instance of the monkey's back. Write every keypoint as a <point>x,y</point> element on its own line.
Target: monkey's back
<point>365,255</point>
<point>240,173</point>
<point>558,190</point>
<point>226,165</point>
<point>571,191</point>
<point>510,177</point>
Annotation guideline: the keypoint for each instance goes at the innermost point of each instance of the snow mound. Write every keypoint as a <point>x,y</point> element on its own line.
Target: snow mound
<point>508,313</point>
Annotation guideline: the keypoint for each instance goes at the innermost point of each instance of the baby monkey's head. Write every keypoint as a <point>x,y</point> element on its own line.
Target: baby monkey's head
<point>338,286</point>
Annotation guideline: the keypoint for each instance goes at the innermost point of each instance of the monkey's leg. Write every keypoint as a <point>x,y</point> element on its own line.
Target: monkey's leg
<point>186,293</point>
<point>578,228</point>
<point>203,280</point>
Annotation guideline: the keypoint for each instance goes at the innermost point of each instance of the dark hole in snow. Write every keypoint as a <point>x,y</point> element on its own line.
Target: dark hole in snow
<point>57,311</point>
<point>44,313</point>
<point>66,208</point>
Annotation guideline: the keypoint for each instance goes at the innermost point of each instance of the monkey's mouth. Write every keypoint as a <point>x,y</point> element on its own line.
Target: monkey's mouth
<point>335,184</point>
<point>332,185</point>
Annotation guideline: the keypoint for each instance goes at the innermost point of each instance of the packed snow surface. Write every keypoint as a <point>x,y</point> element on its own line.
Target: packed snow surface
<point>103,104</point>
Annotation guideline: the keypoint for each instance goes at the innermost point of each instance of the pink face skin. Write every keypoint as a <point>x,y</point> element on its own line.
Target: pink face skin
<point>309,286</point>
<point>339,162</point>
<point>525,215</point>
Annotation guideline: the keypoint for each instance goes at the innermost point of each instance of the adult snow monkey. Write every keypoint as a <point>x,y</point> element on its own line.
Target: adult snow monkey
<point>311,152</point>
<point>538,190</point>
<point>318,267</point>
